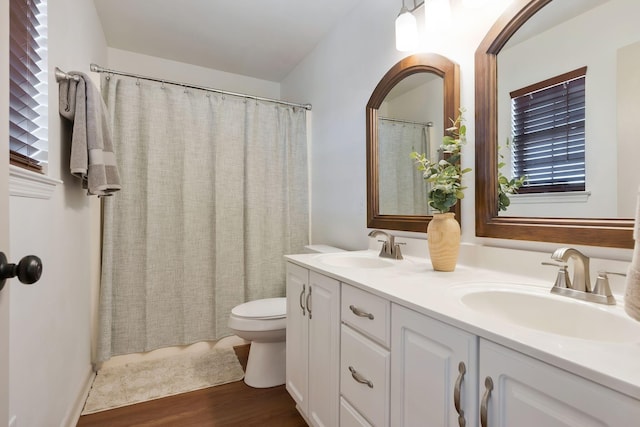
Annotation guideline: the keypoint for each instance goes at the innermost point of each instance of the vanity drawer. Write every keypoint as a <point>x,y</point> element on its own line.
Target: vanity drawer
<point>349,417</point>
<point>364,376</point>
<point>367,313</point>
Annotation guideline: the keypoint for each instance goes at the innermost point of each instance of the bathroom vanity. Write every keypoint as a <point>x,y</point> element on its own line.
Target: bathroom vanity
<point>381,342</point>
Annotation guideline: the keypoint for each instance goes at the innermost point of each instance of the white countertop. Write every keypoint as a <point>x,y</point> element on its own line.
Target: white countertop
<point>414,284</point>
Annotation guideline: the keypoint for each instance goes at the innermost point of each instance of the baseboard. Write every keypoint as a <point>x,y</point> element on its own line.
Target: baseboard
<point>72,417</point>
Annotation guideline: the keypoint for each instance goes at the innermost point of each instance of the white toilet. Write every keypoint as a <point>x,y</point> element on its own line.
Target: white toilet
<point>264,322</point>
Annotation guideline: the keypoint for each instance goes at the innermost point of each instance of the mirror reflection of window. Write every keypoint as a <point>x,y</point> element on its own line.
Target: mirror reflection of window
<point>558,38</point>
<point>548,137</point>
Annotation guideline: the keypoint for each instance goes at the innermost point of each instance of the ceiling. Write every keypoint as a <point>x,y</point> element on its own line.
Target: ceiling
<point>264,39</point>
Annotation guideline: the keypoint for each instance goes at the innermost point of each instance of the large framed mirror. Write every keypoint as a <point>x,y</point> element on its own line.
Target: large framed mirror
<point>409,110</point>
<point>530,45</point>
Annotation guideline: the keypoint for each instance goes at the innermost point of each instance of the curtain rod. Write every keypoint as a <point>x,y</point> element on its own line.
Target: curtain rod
<point>61,75</point>
<point>427,124</point>
<point>98,69</point>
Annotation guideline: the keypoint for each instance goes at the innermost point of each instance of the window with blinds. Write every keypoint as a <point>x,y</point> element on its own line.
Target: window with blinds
<point>548,146</point>
<point>28,109</point>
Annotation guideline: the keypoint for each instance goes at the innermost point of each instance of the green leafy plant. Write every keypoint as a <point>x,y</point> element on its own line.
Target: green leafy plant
<point>445,173</point>
<point>507,186</point>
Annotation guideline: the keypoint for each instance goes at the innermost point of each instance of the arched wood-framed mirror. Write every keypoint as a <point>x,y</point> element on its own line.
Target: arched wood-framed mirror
<point>422,78</point>
<point>593,231</point>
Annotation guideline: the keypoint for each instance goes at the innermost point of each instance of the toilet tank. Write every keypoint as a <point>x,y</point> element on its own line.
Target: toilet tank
<point>310,249</point>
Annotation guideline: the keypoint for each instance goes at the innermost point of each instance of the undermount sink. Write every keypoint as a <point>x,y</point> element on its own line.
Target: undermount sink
<point>355,261</point>
<point>554,314</point>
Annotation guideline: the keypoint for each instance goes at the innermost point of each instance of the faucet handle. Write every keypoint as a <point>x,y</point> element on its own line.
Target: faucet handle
<point>397,253</point>
<point>562,279</point>
<point>602,283</point>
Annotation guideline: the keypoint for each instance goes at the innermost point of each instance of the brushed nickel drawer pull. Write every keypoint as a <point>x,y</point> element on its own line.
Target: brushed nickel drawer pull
<point>462,369</point>
<point>308,302</point>
<point>359,378</point>
<point>360,313</point>
<point>304,289</point>
<point>484,407</point>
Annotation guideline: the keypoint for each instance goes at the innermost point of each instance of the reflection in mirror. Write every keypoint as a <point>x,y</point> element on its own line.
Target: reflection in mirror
<point>536,40</point>
<point>408,111</point>
<point>409,119</point>
<point>558,39</point>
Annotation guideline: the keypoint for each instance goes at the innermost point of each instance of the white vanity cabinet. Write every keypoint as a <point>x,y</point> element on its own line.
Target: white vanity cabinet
<point>313,344</point>
<point>517,390</point>
<point>433,372</point>
<point>357,359</point>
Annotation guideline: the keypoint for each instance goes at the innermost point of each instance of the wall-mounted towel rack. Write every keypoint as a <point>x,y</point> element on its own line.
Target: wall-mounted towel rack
<point>61,75</point>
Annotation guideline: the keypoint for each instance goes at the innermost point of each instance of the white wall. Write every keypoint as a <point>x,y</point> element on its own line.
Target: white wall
<point>338,78</point>
<point>50,320</point>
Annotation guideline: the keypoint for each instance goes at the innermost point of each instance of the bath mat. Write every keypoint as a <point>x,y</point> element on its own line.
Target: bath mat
<point>141,381</point>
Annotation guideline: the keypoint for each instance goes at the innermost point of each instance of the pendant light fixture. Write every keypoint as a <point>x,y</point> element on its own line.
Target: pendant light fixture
<point>406,30</point>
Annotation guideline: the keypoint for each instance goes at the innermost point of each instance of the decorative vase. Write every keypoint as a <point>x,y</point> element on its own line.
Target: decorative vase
<point>443,238</point>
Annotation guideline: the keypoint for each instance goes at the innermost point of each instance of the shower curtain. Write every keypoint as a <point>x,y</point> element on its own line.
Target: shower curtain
<point>402,187</point>
<point>214,193</point>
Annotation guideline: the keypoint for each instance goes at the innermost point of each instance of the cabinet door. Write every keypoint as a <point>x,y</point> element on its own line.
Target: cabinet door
<point>297,336</point>
<point>324,350</point>
<point>530,393</point>
<point>425,377</point>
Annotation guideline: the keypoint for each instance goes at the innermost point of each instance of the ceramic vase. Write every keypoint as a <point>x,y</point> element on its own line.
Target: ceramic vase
<point>443,238</point>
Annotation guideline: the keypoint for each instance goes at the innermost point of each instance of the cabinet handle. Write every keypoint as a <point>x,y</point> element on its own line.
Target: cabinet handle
<point>308,302</point>
<point>304,289</point>
<point>360,313</point>
<point>488,384</point>
<point>462,369</point>
<point>359,378</point>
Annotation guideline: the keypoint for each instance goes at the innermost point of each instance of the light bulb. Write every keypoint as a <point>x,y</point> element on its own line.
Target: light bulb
<point>406,31</point>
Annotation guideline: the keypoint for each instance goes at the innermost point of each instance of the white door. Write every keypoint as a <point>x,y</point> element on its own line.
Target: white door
<point>297,336</point>
<point>4,208</point>
<point>4,294</point>
<point>526,392</point>
<point>324,350</point>
<point>428,385</point>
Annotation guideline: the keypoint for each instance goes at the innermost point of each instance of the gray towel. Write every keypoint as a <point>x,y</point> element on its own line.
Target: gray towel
<point>92,157</point>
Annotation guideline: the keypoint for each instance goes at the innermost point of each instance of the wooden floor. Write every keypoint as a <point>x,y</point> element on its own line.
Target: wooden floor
<point>234,404</point>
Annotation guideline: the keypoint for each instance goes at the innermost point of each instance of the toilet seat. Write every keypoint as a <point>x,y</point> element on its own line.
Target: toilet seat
<point>269,308</point>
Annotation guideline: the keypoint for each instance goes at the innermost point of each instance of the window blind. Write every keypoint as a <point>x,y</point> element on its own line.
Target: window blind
<point>28,109</point>
<point>548,125</point>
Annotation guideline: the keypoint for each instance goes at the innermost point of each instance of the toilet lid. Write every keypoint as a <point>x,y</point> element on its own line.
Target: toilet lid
<point>268,308</point>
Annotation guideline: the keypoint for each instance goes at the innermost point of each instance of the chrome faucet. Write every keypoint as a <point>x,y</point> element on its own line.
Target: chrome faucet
<point>390,249</point>
<point>580,286</point>
<point>581,281</point>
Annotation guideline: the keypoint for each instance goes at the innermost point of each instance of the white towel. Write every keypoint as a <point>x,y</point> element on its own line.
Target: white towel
<point>632,292</point>
<point>92,157</point>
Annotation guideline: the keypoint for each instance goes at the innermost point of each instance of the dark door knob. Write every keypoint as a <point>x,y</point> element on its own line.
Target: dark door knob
<point>28,270</point>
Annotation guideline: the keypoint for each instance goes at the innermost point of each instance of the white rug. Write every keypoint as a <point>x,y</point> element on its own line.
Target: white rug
<point>141,381</point>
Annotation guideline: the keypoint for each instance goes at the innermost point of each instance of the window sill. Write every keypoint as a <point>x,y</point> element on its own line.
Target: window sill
<point>568,197</point>
<point>24,183</point>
